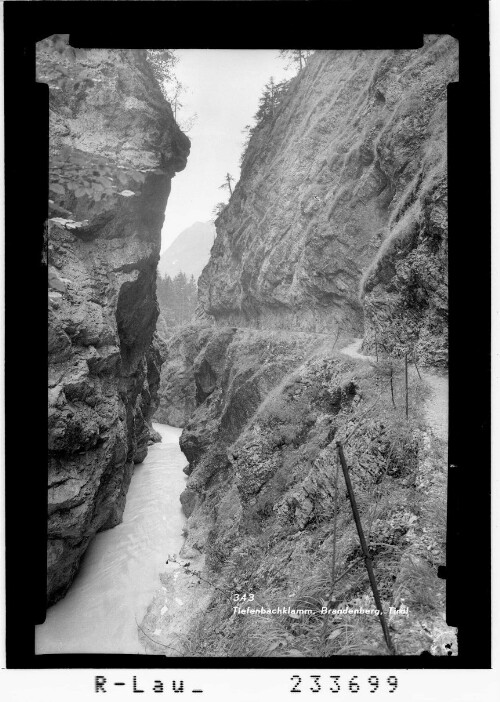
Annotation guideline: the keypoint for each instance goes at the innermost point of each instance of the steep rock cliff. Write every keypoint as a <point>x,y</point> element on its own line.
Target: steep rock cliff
<point>341,202</point>
<point>337,225</point>
<point>114,148</point>
<point>262,498</point>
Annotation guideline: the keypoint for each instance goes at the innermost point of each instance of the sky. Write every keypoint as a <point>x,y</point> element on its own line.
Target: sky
<point>223,87</point>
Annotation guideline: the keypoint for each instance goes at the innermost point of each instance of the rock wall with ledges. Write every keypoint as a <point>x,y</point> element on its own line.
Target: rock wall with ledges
<point>110,122</point>
<point>342,200</point>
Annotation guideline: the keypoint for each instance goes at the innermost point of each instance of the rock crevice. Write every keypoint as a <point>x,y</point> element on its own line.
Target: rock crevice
<point>104,354</point>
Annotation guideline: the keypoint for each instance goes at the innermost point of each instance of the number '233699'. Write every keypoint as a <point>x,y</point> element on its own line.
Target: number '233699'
<point>354,684</point>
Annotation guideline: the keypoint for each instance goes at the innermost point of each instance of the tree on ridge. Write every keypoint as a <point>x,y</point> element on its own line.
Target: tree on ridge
<point>296,56</point>
<point>227,184</point>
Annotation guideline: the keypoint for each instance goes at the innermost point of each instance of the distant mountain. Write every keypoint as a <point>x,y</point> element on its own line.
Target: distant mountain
<point>189,252</point>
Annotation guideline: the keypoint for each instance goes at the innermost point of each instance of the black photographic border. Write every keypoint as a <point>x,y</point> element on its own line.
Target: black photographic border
<point>267,24</point>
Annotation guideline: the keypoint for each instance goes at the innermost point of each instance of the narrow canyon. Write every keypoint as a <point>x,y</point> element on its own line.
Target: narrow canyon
<point>321,321</point>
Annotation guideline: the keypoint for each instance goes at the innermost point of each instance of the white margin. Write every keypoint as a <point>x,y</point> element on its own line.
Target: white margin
<point>416,685</point>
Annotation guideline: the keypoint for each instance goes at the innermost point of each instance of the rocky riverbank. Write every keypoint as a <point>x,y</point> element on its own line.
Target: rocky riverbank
<point>114,148</point>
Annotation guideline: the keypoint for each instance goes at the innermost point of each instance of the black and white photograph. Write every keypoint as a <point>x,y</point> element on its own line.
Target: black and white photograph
<point>250,352</point>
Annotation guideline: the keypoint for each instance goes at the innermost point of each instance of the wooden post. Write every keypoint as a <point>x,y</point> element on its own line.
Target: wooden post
<point>416,367</point>
<point>406,382</point>
<point>336,504</point>
<point>392,386</point>
<point>364,548</point>
<point>334,559</point>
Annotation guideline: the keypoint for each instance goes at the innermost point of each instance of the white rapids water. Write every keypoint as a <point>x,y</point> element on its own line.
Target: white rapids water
<point>120,570</point>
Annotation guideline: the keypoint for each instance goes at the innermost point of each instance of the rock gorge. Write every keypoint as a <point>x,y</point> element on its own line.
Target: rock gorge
<point>114,147</point>
<point>336,229</point>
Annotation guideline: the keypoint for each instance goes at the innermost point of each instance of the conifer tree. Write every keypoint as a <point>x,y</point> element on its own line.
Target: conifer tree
<point>296,57</point>
<point>227,183</point>
<point>218,209</point>
<point>177,298</point>
<point>269,102</point>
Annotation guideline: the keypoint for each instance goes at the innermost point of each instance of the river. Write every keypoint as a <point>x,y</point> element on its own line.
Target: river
<point>120,570</point>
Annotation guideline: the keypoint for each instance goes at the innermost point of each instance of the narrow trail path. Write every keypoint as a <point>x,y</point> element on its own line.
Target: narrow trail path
<point>436,404</point>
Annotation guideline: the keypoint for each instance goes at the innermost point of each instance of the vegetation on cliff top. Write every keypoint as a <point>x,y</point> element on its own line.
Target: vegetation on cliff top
<point>84,173</point>
<point>340,213</point>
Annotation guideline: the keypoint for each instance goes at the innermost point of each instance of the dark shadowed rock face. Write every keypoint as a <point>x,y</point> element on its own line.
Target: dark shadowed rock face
<point>177,390</point>
<point>342,199</point>
<point>104,356</point>
<point>194,357</point>
<point>232,373</point>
